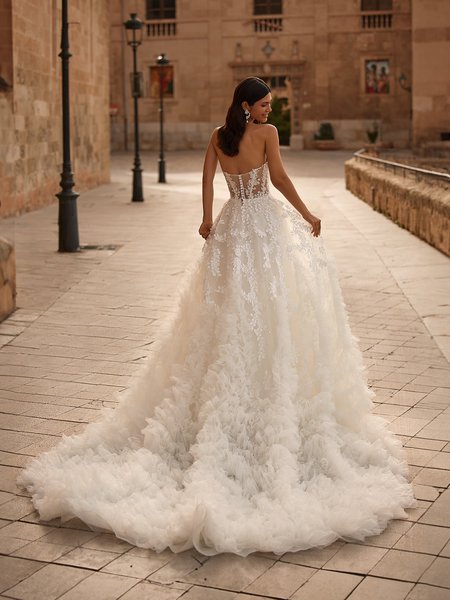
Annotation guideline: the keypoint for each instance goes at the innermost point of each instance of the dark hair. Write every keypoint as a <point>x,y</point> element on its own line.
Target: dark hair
<point>229,135</point>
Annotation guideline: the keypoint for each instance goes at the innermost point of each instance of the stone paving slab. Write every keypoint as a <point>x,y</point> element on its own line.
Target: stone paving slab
<point>86,323</point>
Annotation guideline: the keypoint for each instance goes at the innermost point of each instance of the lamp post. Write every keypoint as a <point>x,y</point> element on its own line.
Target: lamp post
<point>162,62</point>
<point>133,29</point>
<point>67,210</point>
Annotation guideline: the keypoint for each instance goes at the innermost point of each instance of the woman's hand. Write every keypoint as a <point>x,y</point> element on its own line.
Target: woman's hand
<point>315,224</point>
<point>205,228</point>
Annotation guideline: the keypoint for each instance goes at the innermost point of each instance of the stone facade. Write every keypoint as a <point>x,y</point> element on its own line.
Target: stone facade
<point>431,70</point>
<point>321,46</point>
<point>30,107</point>
<point>422,207</point>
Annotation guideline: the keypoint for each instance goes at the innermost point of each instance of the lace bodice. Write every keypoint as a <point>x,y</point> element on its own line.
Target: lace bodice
<point>253,184</point>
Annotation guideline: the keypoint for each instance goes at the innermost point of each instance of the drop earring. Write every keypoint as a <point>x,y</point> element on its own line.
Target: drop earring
<point>247,115</point>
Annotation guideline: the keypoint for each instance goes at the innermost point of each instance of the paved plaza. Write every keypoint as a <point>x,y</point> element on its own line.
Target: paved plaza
<point>86,322</point>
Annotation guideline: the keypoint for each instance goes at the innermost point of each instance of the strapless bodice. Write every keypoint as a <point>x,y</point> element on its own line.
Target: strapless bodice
<point>253,184</point>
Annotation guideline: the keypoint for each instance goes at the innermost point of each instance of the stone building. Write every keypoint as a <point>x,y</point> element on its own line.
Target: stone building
<point>431,71</point>
<point>30,99</point>
<point>348,62</point>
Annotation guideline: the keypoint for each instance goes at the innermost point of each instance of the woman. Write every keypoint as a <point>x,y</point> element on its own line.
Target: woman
<point>251,428</point>
<point>242,146</point>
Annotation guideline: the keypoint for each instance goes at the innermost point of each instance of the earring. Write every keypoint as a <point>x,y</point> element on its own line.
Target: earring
<point>246,115</point>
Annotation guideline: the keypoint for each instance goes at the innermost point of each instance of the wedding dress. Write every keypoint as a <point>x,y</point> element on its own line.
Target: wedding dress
<point>250,428</point>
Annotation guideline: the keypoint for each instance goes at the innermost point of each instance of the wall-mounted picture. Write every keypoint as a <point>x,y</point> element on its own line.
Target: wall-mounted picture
<point>167,81</point>
<point>377,76</point>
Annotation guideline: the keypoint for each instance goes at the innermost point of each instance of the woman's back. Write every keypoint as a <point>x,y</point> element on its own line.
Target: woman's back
<point>252,151</point>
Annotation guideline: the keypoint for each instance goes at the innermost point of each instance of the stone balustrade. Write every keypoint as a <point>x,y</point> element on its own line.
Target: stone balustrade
<point>420,206</point>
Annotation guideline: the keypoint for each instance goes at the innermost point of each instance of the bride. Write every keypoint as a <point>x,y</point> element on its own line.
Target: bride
<point>250,428</point>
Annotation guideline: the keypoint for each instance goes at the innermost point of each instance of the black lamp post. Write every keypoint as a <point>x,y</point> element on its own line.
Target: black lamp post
<point>162,62</point>
<point>67,214</point>
<point>133,29</point>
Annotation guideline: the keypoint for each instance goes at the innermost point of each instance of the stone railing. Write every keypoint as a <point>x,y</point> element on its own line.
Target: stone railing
<point>416,199</point>
<point>166,28</point>
<point>405,169</point>
<point>376,20</point>
<point>267,24</point>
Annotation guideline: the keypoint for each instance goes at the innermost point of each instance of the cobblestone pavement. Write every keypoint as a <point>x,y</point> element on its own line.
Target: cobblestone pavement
<point>86,321</point>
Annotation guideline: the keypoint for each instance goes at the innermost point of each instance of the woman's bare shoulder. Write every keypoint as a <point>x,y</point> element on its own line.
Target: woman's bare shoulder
<point>270,130</point>
<point>215,136</point>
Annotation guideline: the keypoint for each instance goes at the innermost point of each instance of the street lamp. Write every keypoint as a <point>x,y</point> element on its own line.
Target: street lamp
<point>133,29</point>
<point>67,210</point>
<point>162,62</point>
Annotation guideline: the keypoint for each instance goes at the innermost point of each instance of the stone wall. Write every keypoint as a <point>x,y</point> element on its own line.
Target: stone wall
<point>350,133</point>
<point>30,111</point>
<point>421,207</point>
<point>431,70</point>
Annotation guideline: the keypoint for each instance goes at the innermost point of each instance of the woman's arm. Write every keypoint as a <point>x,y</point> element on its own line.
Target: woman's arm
<point>209,171</point>
<point>281,181</point>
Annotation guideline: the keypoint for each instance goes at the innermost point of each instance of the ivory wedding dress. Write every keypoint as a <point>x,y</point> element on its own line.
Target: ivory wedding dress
<point>250,429</point>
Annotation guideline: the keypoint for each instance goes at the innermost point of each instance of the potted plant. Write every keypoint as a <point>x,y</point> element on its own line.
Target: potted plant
<point>372,134</point>
<point>324,137</point>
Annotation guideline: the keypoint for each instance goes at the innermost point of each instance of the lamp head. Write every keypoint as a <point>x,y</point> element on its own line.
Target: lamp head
<point>162,60</point>
<point>133,29</point>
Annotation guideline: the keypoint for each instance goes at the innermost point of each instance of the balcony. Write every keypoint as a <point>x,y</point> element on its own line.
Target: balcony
<point>267,24</point>
<point>160,28</point>
<point>376,20</point>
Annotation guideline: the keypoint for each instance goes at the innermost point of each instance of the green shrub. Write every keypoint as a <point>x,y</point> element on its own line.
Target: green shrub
<point>326,132</point>
<point>281,118</point>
